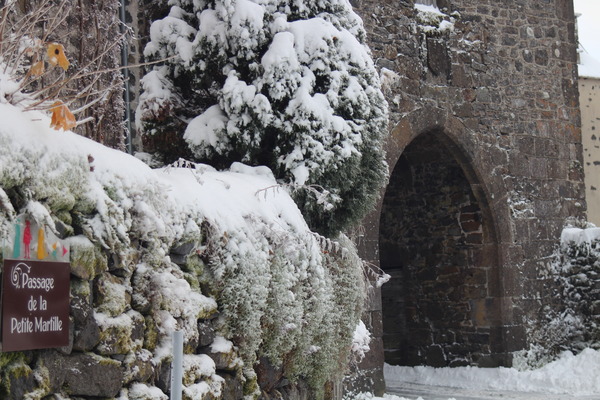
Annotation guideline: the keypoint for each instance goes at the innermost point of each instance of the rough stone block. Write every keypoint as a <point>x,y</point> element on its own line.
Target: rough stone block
<point>86,334</point>
<point>232,387</point>
<point>435,357</point>
<point>508,339</point>
<point>83,374</point>
<point>206,333</point>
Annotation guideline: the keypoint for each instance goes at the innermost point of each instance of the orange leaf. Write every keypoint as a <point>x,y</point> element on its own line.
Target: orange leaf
<point>56,55</point>
<point>37,69</point>
<point>62,117</point>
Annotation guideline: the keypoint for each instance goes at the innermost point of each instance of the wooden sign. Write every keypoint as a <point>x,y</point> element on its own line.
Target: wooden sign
<point>35,305</point>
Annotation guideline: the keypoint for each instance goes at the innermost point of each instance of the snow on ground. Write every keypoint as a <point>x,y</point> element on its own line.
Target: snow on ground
<point>571,376</point>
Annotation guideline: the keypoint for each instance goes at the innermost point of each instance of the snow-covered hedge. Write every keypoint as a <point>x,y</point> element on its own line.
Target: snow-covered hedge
<point>573,323</point>
<point>175,248</point>
<point>580,273</point>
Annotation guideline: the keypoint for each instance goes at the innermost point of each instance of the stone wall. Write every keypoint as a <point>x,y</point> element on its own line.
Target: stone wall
<point>115,339</point>
<point>113,335</point>
<point>495,85</point>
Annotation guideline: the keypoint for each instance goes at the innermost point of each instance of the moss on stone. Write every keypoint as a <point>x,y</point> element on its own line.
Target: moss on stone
<point>62,202</point>
<point>203,275</point>
<point>42,377</point>
<point>66,218</point>
<point>14,369</point>
<point>80,288</point>
<point>251,387</point>
<point>8,358</point>
<point>192,279</point>
<point>151,334</point>
<point>116,337</point>
<point>111,295</point>
<point>87,260</point>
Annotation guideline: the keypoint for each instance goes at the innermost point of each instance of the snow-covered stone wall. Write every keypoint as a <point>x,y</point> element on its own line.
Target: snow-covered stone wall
<point>578,272</point>
<point>264,304</point>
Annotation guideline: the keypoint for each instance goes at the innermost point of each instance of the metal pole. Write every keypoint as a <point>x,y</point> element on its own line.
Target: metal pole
<point>125,63</point>
<point>177,366</point>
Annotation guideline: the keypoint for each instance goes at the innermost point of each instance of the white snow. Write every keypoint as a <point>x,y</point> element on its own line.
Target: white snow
<point>141,391</point>
<point>579,236</point>
<point>214,195</point>
<point>569,375</point>
<point>432,20</point>
<point>361,340</point>
<point>429,9</point>
<point>157,93</point>
<point>589,66</point>
<point>197,366</point>
<point>175,33</point>
<point>203,128</point>
<point>8,86</point>
<point>221,345</point>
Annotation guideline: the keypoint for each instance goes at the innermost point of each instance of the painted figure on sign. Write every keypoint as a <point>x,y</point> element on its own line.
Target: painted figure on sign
<point>41,250</point>
<point>17,242</point>
<point>27,238</point>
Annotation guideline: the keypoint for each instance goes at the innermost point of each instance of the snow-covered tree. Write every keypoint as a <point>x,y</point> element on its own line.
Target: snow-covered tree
<point>283,83</point>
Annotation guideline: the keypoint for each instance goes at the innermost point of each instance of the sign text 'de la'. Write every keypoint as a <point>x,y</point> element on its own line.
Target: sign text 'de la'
<point>35,305</point>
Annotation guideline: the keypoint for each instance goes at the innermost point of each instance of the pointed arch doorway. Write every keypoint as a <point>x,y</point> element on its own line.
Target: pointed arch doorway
<point>436,241</point>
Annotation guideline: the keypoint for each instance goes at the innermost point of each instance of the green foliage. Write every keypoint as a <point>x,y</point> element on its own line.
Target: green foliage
<point>297,304</point>
<point>289,85</point>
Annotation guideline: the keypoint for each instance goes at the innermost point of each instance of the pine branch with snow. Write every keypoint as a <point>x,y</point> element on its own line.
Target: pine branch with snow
<point>288,85</point>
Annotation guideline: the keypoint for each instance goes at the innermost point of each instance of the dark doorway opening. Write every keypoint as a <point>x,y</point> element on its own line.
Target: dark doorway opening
<point>437,307</point>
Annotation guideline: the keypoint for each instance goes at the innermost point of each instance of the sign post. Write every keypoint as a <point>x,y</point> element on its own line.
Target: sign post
<point>177,366</point>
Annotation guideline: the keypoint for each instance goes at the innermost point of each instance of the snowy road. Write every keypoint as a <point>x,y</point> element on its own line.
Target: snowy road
<point>567,378</point>
<point>413,391</point>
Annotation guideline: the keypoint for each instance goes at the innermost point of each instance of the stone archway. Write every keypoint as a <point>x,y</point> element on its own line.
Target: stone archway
<point>436,240</point>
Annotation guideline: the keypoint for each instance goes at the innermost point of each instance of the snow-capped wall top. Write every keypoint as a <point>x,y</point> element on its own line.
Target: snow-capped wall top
<point>225,199</point>
<point>589,66</point>
<point>579,236</point>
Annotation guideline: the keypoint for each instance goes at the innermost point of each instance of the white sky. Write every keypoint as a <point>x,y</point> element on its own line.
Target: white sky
<point>589,29</point>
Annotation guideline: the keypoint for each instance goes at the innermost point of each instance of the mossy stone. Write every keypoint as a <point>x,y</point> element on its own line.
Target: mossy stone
<point>151,334</point>
<point>111,295</point>
<point>17,380</point>
<point>121,336</point>
<point>87,261</point>
<point>98,377</point>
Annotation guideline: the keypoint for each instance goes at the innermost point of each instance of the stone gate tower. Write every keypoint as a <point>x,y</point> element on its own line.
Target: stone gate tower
<point>486,166</point>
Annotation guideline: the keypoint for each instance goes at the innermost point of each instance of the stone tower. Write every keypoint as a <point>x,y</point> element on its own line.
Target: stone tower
<point>485,168</point>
